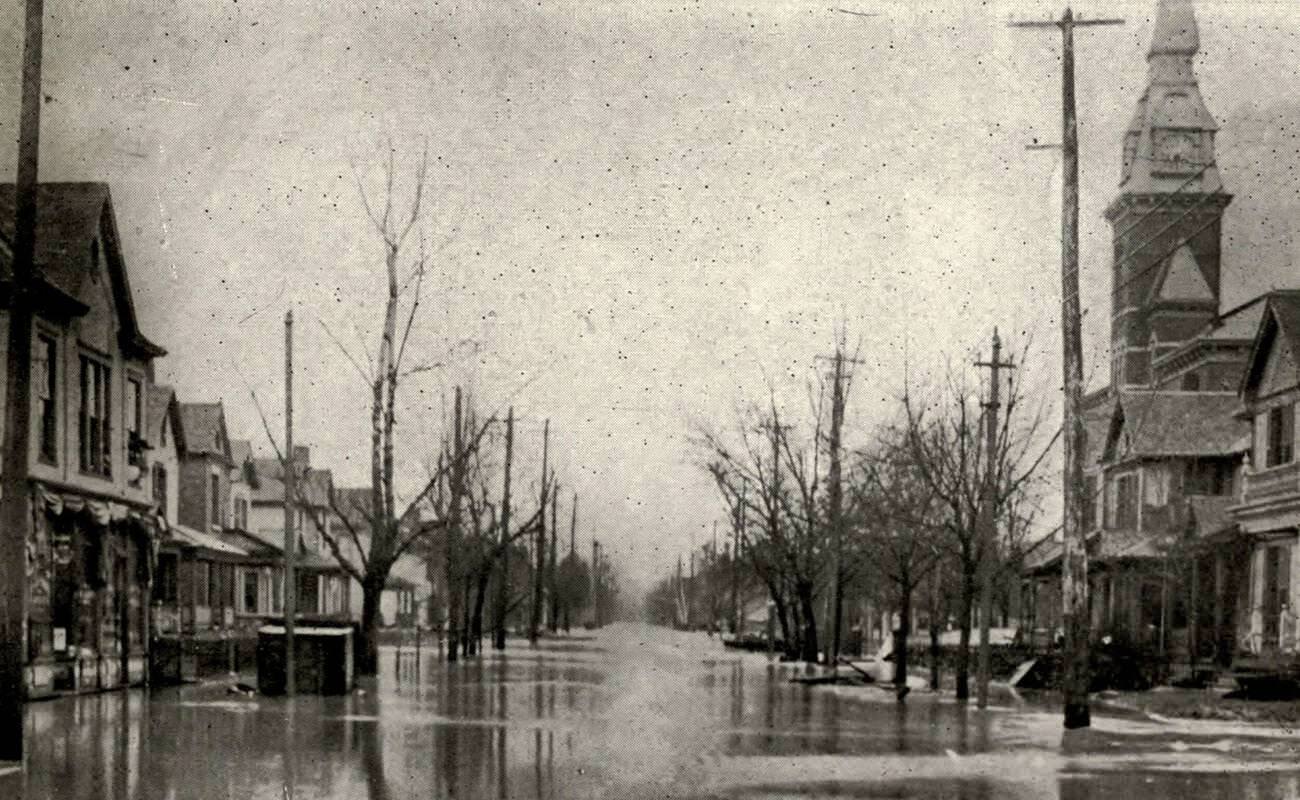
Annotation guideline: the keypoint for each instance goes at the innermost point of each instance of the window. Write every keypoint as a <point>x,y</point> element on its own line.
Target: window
<point>46,376</point>
<point>1281,435</point>
<point>214,500</point>
<point>241,513</point>
<point>1191,382</point>
<point>95,437</point>
<point>164,583</point>
<point>277,591</point>
<point>249,598</point>
<point>159,479</point>
<point>202,583</point>
<point>1124,514</point>
<point>1208,477</point>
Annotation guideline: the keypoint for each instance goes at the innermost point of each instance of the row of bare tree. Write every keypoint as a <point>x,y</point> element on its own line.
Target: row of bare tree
<point>819,521</point>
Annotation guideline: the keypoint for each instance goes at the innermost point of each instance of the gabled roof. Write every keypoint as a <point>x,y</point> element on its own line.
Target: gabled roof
<point>161,405</point>
<point>270,482</point>
<point>205,429</point>
<point>1281,317</point>
<point>1153,424</point>
<point>69,217</point>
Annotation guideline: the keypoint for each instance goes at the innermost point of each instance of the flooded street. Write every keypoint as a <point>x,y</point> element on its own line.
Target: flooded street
<point>632,712</point>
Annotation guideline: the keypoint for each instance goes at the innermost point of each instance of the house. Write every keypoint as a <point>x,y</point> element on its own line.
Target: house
<point>1269,509</point>
<point>96,519</point>
<point>323,586</point>
<point>408,587</point>
<point>1165,447</point>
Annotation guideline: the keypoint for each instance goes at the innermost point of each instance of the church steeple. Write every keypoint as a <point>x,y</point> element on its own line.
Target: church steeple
<point>1166,220</point>
<point>1170,141</point>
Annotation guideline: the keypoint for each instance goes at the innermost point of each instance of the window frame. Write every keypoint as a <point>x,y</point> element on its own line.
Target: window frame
<point>95,432</point>
<point>48,440</point>
<point>1280,436</point>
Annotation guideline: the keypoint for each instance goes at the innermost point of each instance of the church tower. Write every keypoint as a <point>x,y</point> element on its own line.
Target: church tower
<point>1166,221</point>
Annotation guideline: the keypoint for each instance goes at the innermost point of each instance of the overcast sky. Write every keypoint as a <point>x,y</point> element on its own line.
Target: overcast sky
<point>640,211</point>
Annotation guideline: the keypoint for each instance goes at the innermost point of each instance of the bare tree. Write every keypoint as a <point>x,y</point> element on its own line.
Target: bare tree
<point>944,439</point>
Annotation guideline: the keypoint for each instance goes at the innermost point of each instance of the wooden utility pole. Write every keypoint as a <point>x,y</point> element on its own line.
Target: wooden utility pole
<point>290,536</point>
<point>989,514</point>
<point>573,554</point>
<point>535,618</point>
<point>15,489</point>
<point>835,496</point>
<point>455,568</point>
<point>553,623</point>
<point>595,582</point>
<point>737,529</point>
<point>503,585</point>
<point>1074,561</point>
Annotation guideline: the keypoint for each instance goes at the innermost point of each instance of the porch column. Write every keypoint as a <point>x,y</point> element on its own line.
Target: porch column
<point>1219,656</point>
<point>1193,613</point>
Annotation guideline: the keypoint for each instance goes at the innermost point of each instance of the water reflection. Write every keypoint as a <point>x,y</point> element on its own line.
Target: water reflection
<point>623,716</point>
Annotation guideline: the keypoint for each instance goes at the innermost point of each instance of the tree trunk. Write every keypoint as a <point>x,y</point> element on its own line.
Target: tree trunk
<point>936,613</point>
<point>807,606</point>
<point>901,634</point>
<point>964,614</point>
<point>372,591</point>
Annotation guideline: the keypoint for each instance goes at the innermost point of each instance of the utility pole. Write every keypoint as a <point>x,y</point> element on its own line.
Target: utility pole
<point>455,568</point>
<point>835,498</point>
<point>989,513</point>
<point>690,586</point>
<point>595,581</point>
<point>1074,561</point>
<point>15,488</point>
<point>712,567</point>
<point>503,585</point>
<point>290,536</point>
<point>551,579</point>
<point>737,527</point>
<point>573,555</point>
<point>535,618</point>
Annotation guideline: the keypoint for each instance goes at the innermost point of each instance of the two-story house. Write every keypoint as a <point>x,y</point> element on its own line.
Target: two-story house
<point>323,586</point>
<point>1269,509</point>
<point>96,522</point>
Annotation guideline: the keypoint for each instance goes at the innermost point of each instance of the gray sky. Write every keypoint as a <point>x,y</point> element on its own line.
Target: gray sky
<point>645,210</point>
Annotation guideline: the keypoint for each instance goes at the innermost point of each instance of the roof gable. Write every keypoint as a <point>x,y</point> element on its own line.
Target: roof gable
<point>205,429</point>
<point>1272,365</point>
<point>75,228</point>
<point>1183,279</point>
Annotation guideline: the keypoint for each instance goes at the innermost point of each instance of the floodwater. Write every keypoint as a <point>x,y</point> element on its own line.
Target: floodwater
<point>631,712</point>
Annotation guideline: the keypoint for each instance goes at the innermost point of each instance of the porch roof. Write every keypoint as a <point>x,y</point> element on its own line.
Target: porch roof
<point>205,541</point>
<point>1171,424</point>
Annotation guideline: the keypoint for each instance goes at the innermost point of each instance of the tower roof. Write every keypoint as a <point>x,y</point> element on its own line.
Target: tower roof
<point>1169,144</point>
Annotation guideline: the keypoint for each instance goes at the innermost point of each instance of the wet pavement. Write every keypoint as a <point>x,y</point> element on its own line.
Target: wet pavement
<point>634,712</point>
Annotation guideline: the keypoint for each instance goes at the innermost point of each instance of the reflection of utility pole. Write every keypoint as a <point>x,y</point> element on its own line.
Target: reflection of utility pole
<point>15,491</point>
<point>1074,560</point>
<point>989,513</point>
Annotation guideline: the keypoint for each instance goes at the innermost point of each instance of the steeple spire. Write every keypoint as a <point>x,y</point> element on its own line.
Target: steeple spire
<point>1167,219</point>
<point>1169,145</point>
